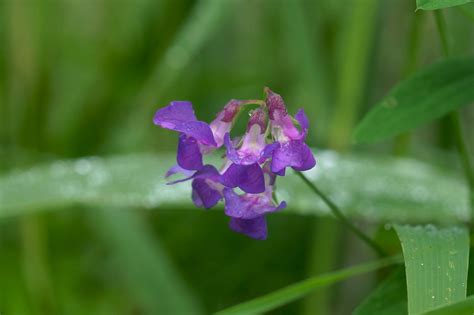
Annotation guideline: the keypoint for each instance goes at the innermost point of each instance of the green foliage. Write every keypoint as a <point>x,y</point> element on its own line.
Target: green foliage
<point>438,4</point>
<point>436,263</point>
<point>389,298</point>
<point>420,99</point>
<point>464,307</point>
<point>90,87</point>
<point>409,190</point>
<point>298,290</point>
<point>144,266</point>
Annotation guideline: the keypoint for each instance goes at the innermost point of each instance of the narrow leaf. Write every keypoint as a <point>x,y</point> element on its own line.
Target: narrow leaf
<point>464,307</point>
<point>436,262</point>
<point>409,190</point>
<point>389,298</point>
<point>438,4</point>
<point>298,290</point>
<point>420,99</point>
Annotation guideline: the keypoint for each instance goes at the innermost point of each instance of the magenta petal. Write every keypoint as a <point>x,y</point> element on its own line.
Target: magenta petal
<point>204,195</point>
<point>248,206</point>
<point>174,114</point>
<point>177,169</point>
<point>231,151</point>
<point>206,172</point>
<point>302,119</point>
<point>295,154</point>
<point>179,116</point>
<point>254,228</point>
<point>249,178</point>
<point>189,155</point>
<point>268,151</point>
<point>239,157</point>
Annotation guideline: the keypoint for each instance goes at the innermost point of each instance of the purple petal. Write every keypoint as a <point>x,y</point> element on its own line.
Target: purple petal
<point>189,154</point>
<point>230,111</point>
<point>258,117</point>
<point>249,206</point>
<point>276,105</point>
<point>179,116</point>
<point>177,169</point>
<point>302,119</point>
<point>295,154</point>
<point>249,178</point>
<point>206,172</point>
<point>268,151</point>
<point>204,195</point>
<point>174,114</point>
<point>232,153</point>
<point>254,228</point>
<point>281,173</point>
<point>248,154</point>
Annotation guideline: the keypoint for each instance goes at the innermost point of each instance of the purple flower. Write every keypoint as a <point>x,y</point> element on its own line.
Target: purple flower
<point>289,148</point>
<point>194,134</point>
<point>248,211</point>
<point>272,142</point>
<point>224,120</point>
<point>207,189</point>
<point>243,170</point>
<point>196,137</point>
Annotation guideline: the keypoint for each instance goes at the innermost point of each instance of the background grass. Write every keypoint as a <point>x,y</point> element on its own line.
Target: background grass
<point>81,78</point>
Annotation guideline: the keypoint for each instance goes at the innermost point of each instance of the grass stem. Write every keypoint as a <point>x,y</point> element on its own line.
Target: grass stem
<point>341,217</point>
<point>454,116</point>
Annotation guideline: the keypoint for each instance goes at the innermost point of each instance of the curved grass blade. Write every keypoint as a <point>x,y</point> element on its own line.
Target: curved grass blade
<point>298,290</point>
<point>389,298</point>
<point>438,4</point>
<point>142,263</point>
<point>420,99</point>
<point>203,22</point>
<point>436,262</point>
<point>408,191</point>
<point>464,307</point>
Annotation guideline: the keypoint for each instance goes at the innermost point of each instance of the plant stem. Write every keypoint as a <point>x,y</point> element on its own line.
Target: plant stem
<point>463,155</point>
<point>341,217</point>
<point>455,118</point>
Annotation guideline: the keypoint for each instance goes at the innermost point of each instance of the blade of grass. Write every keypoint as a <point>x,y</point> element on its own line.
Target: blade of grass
<point>202,23</point>
<point>304,52</point>
<point>455,119</point>
<point>436,263</point>
<point>464,307</point>
<point>298,290</point>
<point>389,298</point>
<point>353,71</point>
<point>409,191</point>
<point>143,264</point>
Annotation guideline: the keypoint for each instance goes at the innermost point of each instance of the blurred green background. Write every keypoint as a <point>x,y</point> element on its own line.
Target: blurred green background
<point>84,78</point>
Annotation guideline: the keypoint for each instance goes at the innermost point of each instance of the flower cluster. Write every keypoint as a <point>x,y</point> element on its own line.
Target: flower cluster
<point>273,141</point>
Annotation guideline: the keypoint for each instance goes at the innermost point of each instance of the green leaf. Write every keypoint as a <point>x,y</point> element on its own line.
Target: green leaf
<point>438,4</point>
<point>436,262</point>
<point>407,190</point>
<point>420,99</point>
<point>464,307</point>
<point>389,298</point>
<point>298,290</point>
<point>143,264</point>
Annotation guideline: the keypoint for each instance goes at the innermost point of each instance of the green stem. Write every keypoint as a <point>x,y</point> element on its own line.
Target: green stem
<point>463,155</point>
<point>455,118</point>
<point>402,142</point>
<point>341,217</point>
